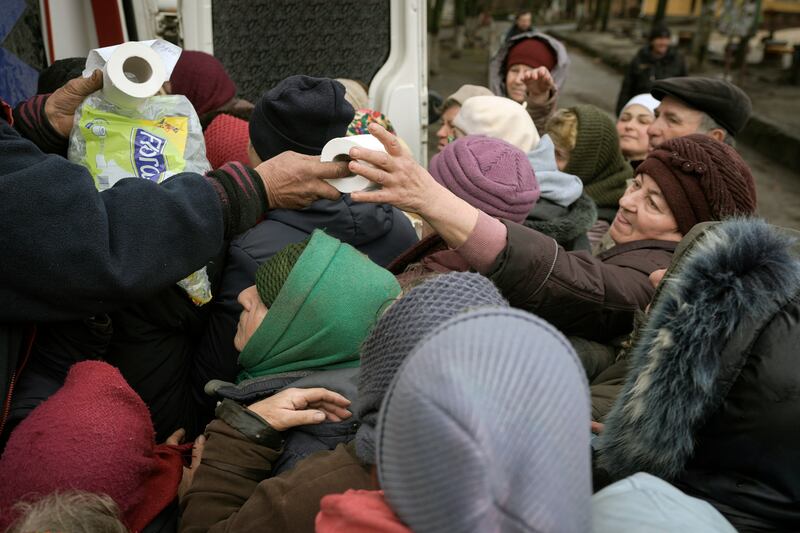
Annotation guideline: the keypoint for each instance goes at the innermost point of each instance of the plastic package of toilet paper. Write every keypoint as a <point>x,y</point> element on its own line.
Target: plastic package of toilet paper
<point>338,150</point>
<point>160,138</point>
<point>127,131</point>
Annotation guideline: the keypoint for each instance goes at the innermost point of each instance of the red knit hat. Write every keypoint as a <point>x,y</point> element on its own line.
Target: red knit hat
<point>532,52</point>
<point>701,179</point>
<point>226,140</point>
<point>203,80</point>
<point>94,434</point>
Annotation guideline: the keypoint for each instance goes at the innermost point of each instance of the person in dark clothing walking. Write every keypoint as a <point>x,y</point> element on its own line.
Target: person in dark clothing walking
<point>523,22</point>
<point>656,61</point>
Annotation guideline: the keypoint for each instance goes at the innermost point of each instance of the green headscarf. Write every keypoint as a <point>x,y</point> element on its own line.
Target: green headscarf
<point>329,302</point>
<point>597,158</point>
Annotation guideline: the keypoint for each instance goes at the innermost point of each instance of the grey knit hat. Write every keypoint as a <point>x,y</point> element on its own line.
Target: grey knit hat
<point>486,428</point>
<point>400,329</point>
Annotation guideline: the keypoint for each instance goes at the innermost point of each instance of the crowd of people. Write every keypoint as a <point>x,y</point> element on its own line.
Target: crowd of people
<point>591,332</point>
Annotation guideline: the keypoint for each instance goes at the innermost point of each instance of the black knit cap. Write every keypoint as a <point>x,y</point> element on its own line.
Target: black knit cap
<point>660,30</point>
<point>59,73</point>
<point>302,114</point>
<point>727,104</point>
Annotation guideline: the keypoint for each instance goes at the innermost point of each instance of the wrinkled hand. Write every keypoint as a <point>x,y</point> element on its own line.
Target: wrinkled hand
<point>300,407</point>
<point>405,183</point>
<point>295,180</point>
<point>539,82</point>
<point>60,106</point>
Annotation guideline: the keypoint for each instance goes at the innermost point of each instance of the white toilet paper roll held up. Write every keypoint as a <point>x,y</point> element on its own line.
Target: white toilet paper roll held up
<point>338,150</point>
<point>133,72</point>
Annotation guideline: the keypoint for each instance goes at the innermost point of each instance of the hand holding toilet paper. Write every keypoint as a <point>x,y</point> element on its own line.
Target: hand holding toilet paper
<point>127,130</point>
<point>134,70</point>
<point>338,150</point>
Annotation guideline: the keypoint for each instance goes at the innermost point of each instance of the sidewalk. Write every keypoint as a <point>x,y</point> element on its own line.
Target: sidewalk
<point>774,127</point>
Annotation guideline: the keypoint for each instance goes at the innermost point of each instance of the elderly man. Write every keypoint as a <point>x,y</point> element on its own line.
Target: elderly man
<point>713,107</point>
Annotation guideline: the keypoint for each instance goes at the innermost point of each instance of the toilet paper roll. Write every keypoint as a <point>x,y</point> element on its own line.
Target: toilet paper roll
<point>133,72</point>
<point>338,150</point>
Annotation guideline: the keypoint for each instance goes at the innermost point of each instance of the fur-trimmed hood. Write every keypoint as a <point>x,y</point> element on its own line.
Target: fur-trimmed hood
<point>716,304</point>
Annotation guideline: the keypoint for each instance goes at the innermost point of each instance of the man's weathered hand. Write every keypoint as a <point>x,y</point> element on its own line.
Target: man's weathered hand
<point>294,180</point>
<point>60,106</point>
<point>300,407</point>
<point>539,82</point>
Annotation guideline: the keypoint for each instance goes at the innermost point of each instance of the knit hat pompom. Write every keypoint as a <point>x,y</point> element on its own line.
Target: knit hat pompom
<point>533,52</point>
<point>397,332</point>
<point>701,179</point>
<point>203,80</point>
<point>489,174</point>
<point>302,114</point>
<point>272,274</point>
<point>499,118</point>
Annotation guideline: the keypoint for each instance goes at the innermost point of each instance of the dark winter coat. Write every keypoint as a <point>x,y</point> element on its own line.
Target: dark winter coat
<point>55,348</point>
<point>712,399</point>
<point>644,69</point>
<point>233,489</point>
<point>302,441</point>
<point>567,225</point>
<point>594,297</point>
<point>71,252</point>
<point>153,346</point>
<point>378,230</point>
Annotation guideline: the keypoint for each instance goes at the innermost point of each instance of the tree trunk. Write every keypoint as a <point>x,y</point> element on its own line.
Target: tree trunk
<point>661,12</point>
<point>705,23</point>
<point>435,8</point>
<point>606,12</point>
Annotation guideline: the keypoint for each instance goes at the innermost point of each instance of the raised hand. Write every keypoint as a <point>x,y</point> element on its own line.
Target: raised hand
<point>539,83</point>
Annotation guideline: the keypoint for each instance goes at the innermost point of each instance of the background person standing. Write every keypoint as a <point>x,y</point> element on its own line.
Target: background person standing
<point>655,61</point>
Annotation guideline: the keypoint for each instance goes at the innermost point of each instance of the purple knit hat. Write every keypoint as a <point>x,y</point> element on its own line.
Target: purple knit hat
<point>489,174</point>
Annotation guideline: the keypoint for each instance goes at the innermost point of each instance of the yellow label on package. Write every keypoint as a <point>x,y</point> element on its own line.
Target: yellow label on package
<point>121,147</point>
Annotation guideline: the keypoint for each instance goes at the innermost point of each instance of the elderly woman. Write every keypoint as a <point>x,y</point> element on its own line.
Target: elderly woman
<point>688,180</point>
<point>634,119</point>
<point>530,67</point>
<point>450,109</point>
<point>234,488</point>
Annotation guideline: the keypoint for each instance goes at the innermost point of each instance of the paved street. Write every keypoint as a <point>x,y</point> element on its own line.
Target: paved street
<point>591,82</point>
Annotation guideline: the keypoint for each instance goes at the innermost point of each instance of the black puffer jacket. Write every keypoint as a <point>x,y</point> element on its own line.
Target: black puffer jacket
<point>712,399</point>
<point>378,230</point>
<point>644,69</point>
